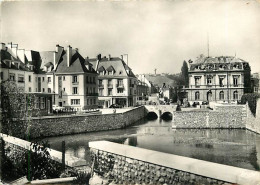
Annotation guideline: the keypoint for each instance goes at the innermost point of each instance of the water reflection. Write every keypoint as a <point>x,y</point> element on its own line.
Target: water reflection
<point>234,147</point>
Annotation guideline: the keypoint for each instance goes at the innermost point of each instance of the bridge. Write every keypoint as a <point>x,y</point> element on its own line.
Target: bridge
<point>161,109</point>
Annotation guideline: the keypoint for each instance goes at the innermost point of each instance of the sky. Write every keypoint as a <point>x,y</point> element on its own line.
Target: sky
<point>155,34</point>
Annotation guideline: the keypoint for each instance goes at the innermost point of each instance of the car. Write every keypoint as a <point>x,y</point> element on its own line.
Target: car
<point>115,106</point>
<point>57,108</point>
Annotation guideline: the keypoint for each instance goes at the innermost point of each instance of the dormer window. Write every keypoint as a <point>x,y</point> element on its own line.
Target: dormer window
<point>16,65</point>
<point>110,70</point>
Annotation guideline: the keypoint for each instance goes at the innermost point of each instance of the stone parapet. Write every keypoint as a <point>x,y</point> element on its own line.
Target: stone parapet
<point>127,164</point>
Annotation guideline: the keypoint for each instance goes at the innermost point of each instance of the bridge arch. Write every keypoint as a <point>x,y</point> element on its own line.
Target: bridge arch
<point>151,115</point>
<point>167,115</point>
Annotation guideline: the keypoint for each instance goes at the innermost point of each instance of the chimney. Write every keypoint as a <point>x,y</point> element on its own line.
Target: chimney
<point>98,57</point>
<point>69,55</point>
<point>57,47</point>
<point>109,57</point>
<point>76,49</point>
<point>55,62</point>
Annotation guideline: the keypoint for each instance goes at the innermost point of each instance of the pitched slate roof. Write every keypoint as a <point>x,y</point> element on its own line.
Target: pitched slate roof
<point>77,64</point>
<point>117,63</point>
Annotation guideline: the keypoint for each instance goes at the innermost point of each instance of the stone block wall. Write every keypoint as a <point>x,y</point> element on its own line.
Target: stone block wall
<point>253,123</point>
<point>73,124</point>
<point>132,165</point>
<point>223,116</point>
<point>124,170</point>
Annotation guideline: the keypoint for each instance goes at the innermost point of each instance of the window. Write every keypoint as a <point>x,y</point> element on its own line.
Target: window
<point>221,81</point>
<point>49,90</point>
<point>120,82</point>
<point>197,81</point>
<point>100,82</point>
<point>109,92</point>
<point>75,101</point>
<point>42,102</point>
<point>49,79</point>
<point>63,78</point>
<point>43,90</point>
<point>110,83</point>
<point>120,90</point>
<point>235,95</point>
<point>221,95</point>
<point>94,80</point>
<point>43,79</point>
<point>30,89</point>
<point>90,101</point>
<point>100,92</point>
<point>94,89</point>
<point>209,80</point>
<point>75,90</point>
<point>235,81</point>
<point>29,78</point>
<point>12,76</point>
<point>87,101</point>
<point>20,78</point>
<point>197,95</point>
<point>94,101</point>
<point>35,79</point>
<point>109,72</point>
<point>75,79</point>
<point>87,90</point>
<point>87,79</point>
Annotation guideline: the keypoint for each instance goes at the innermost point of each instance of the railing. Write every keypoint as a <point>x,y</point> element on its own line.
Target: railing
<point>120,85</point>
<point>92,94</point>
<point>216,86</point>
<point>75,83</point>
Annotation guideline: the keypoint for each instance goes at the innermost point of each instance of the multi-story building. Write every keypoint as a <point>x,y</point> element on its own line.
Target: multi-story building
<point>61,77</point>
<point>221,79</point>
<point>75,81</point>
<point>151,88</point>
<point>117,83</point>
<point>20,67</point>
<point>255,83</point>
<point>142,92</point>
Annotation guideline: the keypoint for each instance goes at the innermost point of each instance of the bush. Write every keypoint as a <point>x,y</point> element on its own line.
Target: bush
<point>251,98</point>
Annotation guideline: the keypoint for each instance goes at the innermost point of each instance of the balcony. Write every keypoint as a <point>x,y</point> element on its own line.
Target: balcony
<point>92,94</point>
<point>75,83</point>
<point>20,81</point>
<point>120,85</point>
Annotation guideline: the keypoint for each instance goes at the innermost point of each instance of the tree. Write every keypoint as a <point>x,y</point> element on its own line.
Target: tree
<point>16,107</point>
<point>185,74</point>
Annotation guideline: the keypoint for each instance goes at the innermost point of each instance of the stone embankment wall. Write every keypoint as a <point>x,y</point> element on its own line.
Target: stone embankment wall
<point>17,145</point>
<point>223,116</point>
<point>127,164</point>
<point>73,124</point>
<point>253,123</point>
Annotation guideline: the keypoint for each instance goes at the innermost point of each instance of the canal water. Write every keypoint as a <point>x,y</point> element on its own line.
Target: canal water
<point>236,147</point>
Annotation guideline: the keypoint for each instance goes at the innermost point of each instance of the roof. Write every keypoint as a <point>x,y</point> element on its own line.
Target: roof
<point>220,59</point>
<point>121,69</point>
<point>159,80</point>
<point>77,64</point>
<point>6,56</point>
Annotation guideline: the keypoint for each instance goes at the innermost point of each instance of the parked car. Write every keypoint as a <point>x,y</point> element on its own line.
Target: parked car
<point>115,106</point>
<point>57,108</point>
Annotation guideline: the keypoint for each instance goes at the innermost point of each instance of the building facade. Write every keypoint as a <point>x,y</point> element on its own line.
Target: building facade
<point>18,66</point>
<point>117,83</point>
<point>61,77</point>
<point>220,79</point>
